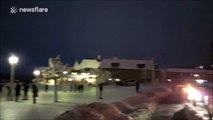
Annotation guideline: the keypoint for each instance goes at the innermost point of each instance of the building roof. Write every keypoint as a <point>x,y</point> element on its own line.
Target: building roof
<point>126,63</point>
<point>89,63</point>
<point>76,66</point>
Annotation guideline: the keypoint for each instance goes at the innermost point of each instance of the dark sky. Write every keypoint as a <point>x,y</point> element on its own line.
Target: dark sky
<point>175,33</point>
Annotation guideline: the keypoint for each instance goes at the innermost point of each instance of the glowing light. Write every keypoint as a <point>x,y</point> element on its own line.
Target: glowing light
<point>51,82</point>
<point>85,73</point>
<point>13,60</point>
<point>36,72</point>
<point>74,73</point>
<point>69,79</point>
<point>56,75</point>
<point>193,94</point>
<point>91,80</point>
<point>110,79</point>
<point>200,81</point>
<point>169,80</point>
<point>201,67</point>
<point>93,76</point>
<point>117,79</point>
<point>206,100</point>
<point>196,75</point>
<point>65,72</point>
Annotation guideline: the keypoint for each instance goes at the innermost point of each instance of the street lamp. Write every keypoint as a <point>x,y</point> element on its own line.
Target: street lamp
<point>36,72</point>
<point>55,88</point>
<point>13,60</point>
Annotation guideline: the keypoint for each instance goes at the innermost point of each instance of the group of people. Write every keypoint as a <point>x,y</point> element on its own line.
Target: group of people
<point>76,87</point>
<point>25,87</point>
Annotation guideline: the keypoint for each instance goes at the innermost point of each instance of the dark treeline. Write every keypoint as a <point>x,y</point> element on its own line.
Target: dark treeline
<point>5,77</point>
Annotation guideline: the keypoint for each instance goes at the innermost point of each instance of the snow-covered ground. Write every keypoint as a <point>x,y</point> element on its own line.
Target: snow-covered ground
<point>166,111</point>
<point>46,109</point>
<point>135,107</point>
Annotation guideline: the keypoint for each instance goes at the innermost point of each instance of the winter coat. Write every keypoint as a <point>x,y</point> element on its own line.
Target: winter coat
<point>18,89</point>
<point>35,91</point>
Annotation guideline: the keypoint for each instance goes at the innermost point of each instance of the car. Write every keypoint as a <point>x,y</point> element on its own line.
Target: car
<point>131,82</point>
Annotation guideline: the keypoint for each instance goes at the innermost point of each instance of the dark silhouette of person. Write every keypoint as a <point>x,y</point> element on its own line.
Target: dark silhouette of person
<point>8,92</point>
<point>71,86</point>
<point>80,87</point>
<point>46,88</point>
<point>75,87</point>
<point>1,86</point>
<point>137,86</point>
<point>35,92</point>
<point>17,91</point>
<point>26,88</point>
<point>100,90</point>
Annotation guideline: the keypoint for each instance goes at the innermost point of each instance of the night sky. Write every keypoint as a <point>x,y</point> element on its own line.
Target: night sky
<point>175,33</point>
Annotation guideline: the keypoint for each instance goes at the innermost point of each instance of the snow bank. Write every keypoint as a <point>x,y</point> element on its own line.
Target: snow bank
<point>137,107</point>
<point>197,112</point>
<point>135,99</point>
<point>147,108</point>
<point>81,113</point>
<point>123,106</point>
<point>188,113</point>
<point>108,110</point>
<point>94,111</point>
<point>144,111</point>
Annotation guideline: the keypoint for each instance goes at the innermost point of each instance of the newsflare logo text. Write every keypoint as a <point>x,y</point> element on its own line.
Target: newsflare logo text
<point>15,9</point>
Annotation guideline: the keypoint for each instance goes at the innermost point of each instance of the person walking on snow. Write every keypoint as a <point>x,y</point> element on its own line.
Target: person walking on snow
<point>35,93</point>
<point>26,87</point>
<point>46,88</point>
<point>100,90</point>
<point>17,90</point>
<point>137,85</point>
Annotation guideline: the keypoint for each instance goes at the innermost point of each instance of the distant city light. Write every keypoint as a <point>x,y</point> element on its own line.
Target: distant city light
<point>201,67</point>
<point>110,79</point>
<point>93,76</point>
<point>85,73</point>
<point>65,72</point>
<point>117,79</point>
<point>201,81</point>
<point>74,73</point>
<point>196,75</point>
<point>169,80</point>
